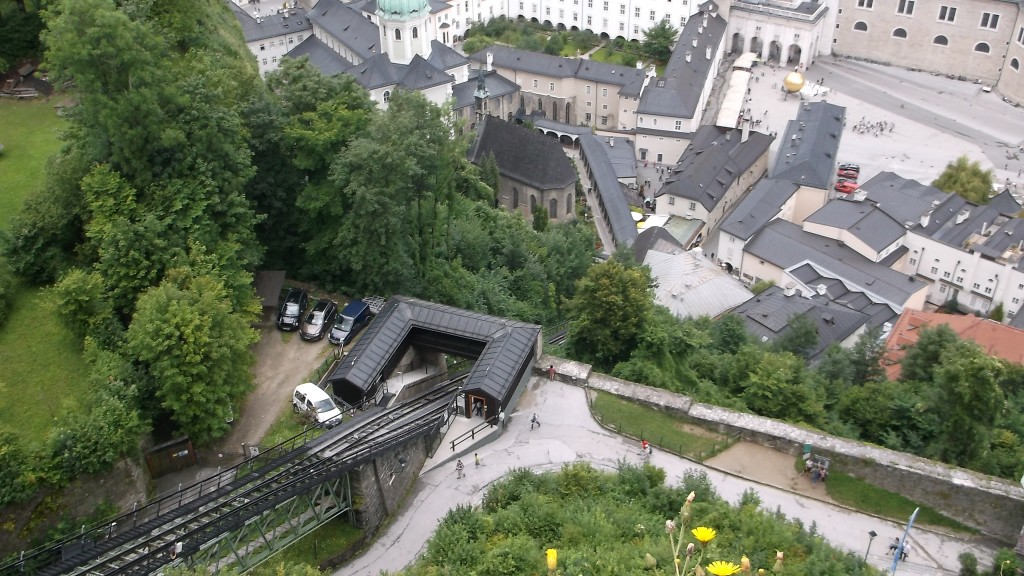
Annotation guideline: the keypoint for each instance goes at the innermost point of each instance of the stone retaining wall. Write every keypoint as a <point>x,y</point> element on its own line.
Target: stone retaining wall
<point>992,505</point>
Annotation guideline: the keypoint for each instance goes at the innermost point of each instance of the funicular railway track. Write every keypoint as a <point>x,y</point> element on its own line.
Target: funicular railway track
<point>168,534</point>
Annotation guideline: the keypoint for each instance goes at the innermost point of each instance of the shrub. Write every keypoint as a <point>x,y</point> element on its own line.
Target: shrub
<point>7,290</point>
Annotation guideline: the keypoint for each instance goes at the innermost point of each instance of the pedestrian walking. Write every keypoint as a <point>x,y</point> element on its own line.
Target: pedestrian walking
<point>894,545</point>
<point>551,372</point>
<point>459,467</point>
<point>476,459</point>
<point>534,421</point>
<point>906,551</point>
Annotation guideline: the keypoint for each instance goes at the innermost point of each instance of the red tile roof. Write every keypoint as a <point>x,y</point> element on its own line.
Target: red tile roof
<point>994,338</point>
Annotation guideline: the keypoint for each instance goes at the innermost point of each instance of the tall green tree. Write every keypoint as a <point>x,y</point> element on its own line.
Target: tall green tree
<point>659,40</point>
<point>800,337</point>
<point>968,401</point>
<point>966,178</point>
<point>194,348</point>
<point>609,312</point>
<point>921,359</point>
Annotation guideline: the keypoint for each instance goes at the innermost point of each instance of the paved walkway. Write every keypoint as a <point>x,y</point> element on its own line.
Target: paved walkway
<point>568,433</point>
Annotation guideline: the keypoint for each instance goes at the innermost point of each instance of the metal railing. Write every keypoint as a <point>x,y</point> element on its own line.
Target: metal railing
<point>471,434</point>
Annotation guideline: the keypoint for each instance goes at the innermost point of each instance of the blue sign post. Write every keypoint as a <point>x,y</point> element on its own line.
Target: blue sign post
<point>903,539</point>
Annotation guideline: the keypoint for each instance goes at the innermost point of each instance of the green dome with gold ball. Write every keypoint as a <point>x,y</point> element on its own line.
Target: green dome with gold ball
<point>793,82</point>
<point>402,9</point>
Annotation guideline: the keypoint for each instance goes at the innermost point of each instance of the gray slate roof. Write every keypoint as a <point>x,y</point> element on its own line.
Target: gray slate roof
<point>1005,203</point>
<point>787,246</point>
<point>836,291</point>
<point>507,345</point>
<point>609,190</point>
<point>769,314</point>
<point>376,72</point>
<point>807,152</point>
<point>348,26</point>
<point>677,92</point>
<point>757,208</point>
<point>712,162</point>
<point>271,25</point>
<point>421,74</point>
<point>321,56</point>
<point>862,219</point>
<point>496,84</point>
<point>658,239</point>
<point>903,199</point>
<point>445,58</point>
<point>523,155</point>
<point>628,77</point>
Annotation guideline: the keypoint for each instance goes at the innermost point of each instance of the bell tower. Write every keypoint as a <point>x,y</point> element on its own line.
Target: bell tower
<point>403,29</point>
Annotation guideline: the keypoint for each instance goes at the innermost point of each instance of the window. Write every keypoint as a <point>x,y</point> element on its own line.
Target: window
<point>604,120</point>
<point>945,275</point>
<point>960,280</point>
<point>913,261</point>
<point>553,210</point>
<point>415,32</point>
<point>1016,300</point>
<point>387,96</point>
<point>534,83</point>
<point>940,40</point>
<point>605,5</point>
<point>988,290</point>
<point>590,20</point>
<point>588,92</point>
<point>860,26</point>
<point>274,60</point>
<point>515,197</point>
<point>636,30</point>
<point>622,9</point>
<point>981,47</point>
<point>398,34</point>
<point>899,33</point>
<point>905,7</point>
<point>989,20</point>
<point>604,92</point>
<point>588,117</point>
<point>947,13</point>
<point>568,204</point>
<point>655,121</point>
<point>520,5</point>
<point>551,86</point>
<point>622,26</point>
<point>976,286</point>
<point>682,21</point>
<point>547,11</point>
<point>942,289</point>
<point>671,200</point>
<point>604,106</point>
<point>868,4</point>
<point>1015,64</point>
<point>561,14</point>
<point>636,13</point>
<point>679,124</point>
<point>262,47</point>
<point>590,3</point>
<point>300,37</point>
<point>264,61</point>
<point>934,270</point>
<point>589,103</point>
<point>290,40</point>
<point>693,205</point>
<point>652,15</point>
<point>1020,36</point>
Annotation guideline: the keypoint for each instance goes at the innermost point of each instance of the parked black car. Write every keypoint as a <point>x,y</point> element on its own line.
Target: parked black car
<point>319,319</point>
<point>351,320</point>
<point>289,317</point>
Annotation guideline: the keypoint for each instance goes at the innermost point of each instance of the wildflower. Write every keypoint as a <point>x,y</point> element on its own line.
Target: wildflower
<point>670,526</point>
<point>698,571</point>
<point>650,561</point>
<point>689,550</point>
<point>722,568</point>
<point>745,564</point>
<point>703,534</point>
<point>778,562</point>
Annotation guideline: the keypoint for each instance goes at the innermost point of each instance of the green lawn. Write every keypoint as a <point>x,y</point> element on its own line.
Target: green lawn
<point>660,428</point>
<point>43,371</point>
<point>29,133</point>
<point>42,362</point>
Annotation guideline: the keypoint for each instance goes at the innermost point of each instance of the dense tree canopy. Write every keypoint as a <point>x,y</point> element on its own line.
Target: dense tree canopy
<point>659,40</point>
<point>966,178</point>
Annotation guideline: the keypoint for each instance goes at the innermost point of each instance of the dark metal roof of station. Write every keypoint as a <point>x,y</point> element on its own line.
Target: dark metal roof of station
<point>500,345</point>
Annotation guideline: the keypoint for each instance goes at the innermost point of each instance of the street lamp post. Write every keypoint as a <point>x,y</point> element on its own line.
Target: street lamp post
<point>871,538</point>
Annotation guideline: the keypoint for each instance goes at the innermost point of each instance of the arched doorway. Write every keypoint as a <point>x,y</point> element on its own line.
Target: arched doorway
<point>775,51</point>
<point>793,57</point>
<point>756,45</point>
<point>566,140</point>
<point>737,43</point>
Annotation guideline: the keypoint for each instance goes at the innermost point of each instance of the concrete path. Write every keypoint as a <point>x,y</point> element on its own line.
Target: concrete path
<point>568,433</point>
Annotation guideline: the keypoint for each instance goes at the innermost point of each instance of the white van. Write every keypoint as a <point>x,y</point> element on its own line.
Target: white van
<point>310,398</point>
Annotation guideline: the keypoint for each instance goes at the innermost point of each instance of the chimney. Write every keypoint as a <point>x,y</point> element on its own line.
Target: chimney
<point>789,290</point>
<point>821,289</point>
<point>962,215</point>
<point>490,60</point>
<point>707,53</point>
<point>694,42</point>
<point>705,22</point>
<point>746,131</point>
<point>687,55</point>
<point>611,142</point>
<point>926,218</point>
<point>639,65</point>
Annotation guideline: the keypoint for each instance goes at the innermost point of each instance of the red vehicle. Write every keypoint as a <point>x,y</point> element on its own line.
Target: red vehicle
<point>846,186</point>
<point>848,173</point>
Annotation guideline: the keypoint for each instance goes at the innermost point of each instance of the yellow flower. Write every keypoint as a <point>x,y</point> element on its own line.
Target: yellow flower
<point>745,564</point>
<point>722,568</point>
<point>703,534</point>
